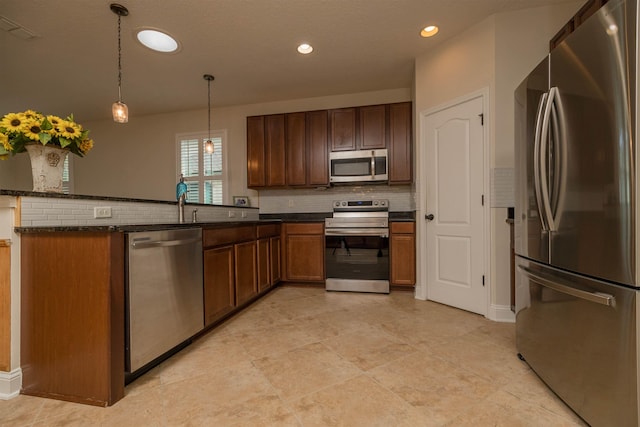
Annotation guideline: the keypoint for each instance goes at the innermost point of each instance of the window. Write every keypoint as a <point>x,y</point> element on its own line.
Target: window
<point>204,174</point>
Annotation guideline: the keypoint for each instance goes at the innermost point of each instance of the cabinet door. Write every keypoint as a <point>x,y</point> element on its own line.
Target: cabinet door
<point>219,296</point>
<point>343,129</point>
<point>255,152</point>
<point>305,257</point>
<point>275,150</point>
<point>400,147</point>
<point>264,279</point>
<point>296,149</point>
<point>245,269</point>
<point>373,127</point>
<point>274,252</point>
<point>317,144</point>
<point>403,254</point>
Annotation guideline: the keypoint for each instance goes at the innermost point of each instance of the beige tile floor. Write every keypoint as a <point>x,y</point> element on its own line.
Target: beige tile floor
<point>303,357</point>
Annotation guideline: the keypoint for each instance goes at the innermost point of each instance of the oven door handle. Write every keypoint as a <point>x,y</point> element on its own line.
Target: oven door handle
<point>357,232</point>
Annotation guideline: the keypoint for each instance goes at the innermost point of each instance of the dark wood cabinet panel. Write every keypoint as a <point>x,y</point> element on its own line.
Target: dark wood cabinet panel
<point>403,253</point>
<point>400,147</point>
<point>296,148</point>
<point>245,271</point>
<point>317,147</point>
<point>304,252</point>
<point>72,316</point>
<point>256,166</point>
<point>373,127</point>
<point>342,125</point>
<point>264,263</point>
<point>275,271</point>
<point>228,235</point>
<point>219,283</point>
<point>275,150</point>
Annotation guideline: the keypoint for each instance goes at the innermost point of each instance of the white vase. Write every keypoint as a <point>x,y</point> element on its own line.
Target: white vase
<point>47,167</point>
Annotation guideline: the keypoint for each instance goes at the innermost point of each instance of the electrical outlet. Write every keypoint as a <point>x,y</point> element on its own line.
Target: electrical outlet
<point>102,212</point>
<point>290,203</point>
<point>232,214</point>
<point>243,214</point>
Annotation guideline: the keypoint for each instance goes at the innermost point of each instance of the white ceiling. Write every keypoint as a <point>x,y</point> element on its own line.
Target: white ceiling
<point>248,45</point>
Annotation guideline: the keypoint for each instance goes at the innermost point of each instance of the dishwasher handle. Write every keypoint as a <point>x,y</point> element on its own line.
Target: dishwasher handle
<point>144,244</point>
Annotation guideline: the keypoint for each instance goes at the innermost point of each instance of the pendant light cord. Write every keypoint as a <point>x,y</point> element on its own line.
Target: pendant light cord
<point>209,106</point>
<point>119,62</point>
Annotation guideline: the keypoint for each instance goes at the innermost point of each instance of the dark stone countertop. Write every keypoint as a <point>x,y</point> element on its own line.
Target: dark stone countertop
<point>138,227</point>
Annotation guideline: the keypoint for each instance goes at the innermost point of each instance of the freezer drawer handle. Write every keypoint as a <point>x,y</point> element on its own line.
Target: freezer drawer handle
<point>597,297</point>
<point>163,243</point>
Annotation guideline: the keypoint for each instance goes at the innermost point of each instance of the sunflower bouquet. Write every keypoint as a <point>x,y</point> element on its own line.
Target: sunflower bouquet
<point>31,127</point>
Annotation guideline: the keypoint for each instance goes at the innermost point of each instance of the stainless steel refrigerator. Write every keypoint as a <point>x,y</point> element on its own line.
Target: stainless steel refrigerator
<point>576,218</point>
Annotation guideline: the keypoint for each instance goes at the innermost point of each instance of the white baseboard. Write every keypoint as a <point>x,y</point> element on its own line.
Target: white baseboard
<point>10,384</point>
<point>501,313</point>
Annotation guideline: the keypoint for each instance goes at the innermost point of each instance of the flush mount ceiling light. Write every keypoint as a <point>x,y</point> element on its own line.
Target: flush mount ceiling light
<point>429,31</point>
<point>157,40</point>
<point>208,145</point>
<point>119,109</point>
<point>305,48</point>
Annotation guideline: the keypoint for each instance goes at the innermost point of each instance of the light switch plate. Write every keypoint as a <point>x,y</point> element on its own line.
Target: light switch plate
<point>102,212</point>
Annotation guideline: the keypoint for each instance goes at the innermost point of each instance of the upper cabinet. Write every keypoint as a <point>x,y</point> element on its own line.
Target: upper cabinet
<point>588,9</point>
<point>292,150</point>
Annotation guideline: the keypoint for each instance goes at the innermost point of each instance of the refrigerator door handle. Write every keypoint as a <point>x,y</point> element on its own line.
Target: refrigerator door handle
<point>536,160</point>
<point>544,146</point>
<point>597,297</point>
<point>558,190</point>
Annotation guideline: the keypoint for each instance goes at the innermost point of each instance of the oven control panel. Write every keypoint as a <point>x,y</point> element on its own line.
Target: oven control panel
<point>361,205</point>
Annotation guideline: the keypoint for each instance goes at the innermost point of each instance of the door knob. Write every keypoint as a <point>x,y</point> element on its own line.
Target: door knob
<point>429,217</point>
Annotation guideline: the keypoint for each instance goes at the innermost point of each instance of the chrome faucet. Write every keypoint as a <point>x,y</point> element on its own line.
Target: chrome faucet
<point>194,215</point>
<point>181,200</point>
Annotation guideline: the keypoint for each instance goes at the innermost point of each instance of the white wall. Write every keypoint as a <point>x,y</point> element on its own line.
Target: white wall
<point>496,54</point>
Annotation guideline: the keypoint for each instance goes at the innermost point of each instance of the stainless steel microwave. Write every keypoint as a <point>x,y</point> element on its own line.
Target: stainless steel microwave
<point>358,166</point>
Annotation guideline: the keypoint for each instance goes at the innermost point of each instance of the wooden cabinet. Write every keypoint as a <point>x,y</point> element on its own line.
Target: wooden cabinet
<point>588,9</point>
<point>268,256</point>
<point>72,316</point>
<point>400,148</point>
<point>303,252</point>
<point>245,269</point>
<point>219,283</point>
<point>266,151</point>
<point>230,269</point>
<point>402,251</point>
<point>342,125</point>
<point>306,149</point>
<point>317,148</point>
<point>373,127</point>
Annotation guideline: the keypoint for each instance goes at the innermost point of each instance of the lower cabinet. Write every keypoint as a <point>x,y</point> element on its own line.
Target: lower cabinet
<point>219,283</point>
<point>304,252</point>
<point>268,256</point>
<point>246,274</point>
<point>403,253</point>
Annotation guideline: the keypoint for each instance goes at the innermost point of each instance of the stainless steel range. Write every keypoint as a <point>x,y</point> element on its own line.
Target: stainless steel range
<point>357,246</point>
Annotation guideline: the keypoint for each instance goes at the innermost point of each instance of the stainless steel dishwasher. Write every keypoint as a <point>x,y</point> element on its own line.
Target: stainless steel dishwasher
<point>164,297</point>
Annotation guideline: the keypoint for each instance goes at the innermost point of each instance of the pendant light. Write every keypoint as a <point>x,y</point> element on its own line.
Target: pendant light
<point>119,109</point>
<point>208,145</point>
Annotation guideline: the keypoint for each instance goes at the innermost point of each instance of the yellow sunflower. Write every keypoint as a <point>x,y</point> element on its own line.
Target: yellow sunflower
<point>13,122</point>
<point>30,114</point>
<point>86,145</point>
<point>54,120</point>
<point>4,140</point>
<point>69,129</point>
<point>32,130</point>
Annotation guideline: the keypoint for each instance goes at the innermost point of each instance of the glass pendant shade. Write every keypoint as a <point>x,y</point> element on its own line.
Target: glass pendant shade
<point>120,112</point>
<point>208,147</point>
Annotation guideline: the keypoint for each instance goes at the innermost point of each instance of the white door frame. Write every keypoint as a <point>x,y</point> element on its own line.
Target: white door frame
<point>422,291</point>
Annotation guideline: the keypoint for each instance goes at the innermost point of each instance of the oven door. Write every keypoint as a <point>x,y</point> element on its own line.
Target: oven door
<point>357,260</point>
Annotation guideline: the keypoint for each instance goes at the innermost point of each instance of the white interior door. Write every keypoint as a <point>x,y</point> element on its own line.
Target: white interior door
<point>454,206</point>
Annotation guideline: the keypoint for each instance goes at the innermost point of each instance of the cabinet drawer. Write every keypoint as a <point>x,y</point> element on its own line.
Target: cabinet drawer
<point>305,228</point>
<point>225,236</point>
<point>402,227</point>
<point>268,230</point>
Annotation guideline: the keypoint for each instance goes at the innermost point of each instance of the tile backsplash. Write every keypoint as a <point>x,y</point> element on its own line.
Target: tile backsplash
<point>401,198</point>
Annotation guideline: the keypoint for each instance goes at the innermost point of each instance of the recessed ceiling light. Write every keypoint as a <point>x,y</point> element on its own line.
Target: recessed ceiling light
<point>429,31</point>
<point>157,40</point>
<point>305,48</point>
